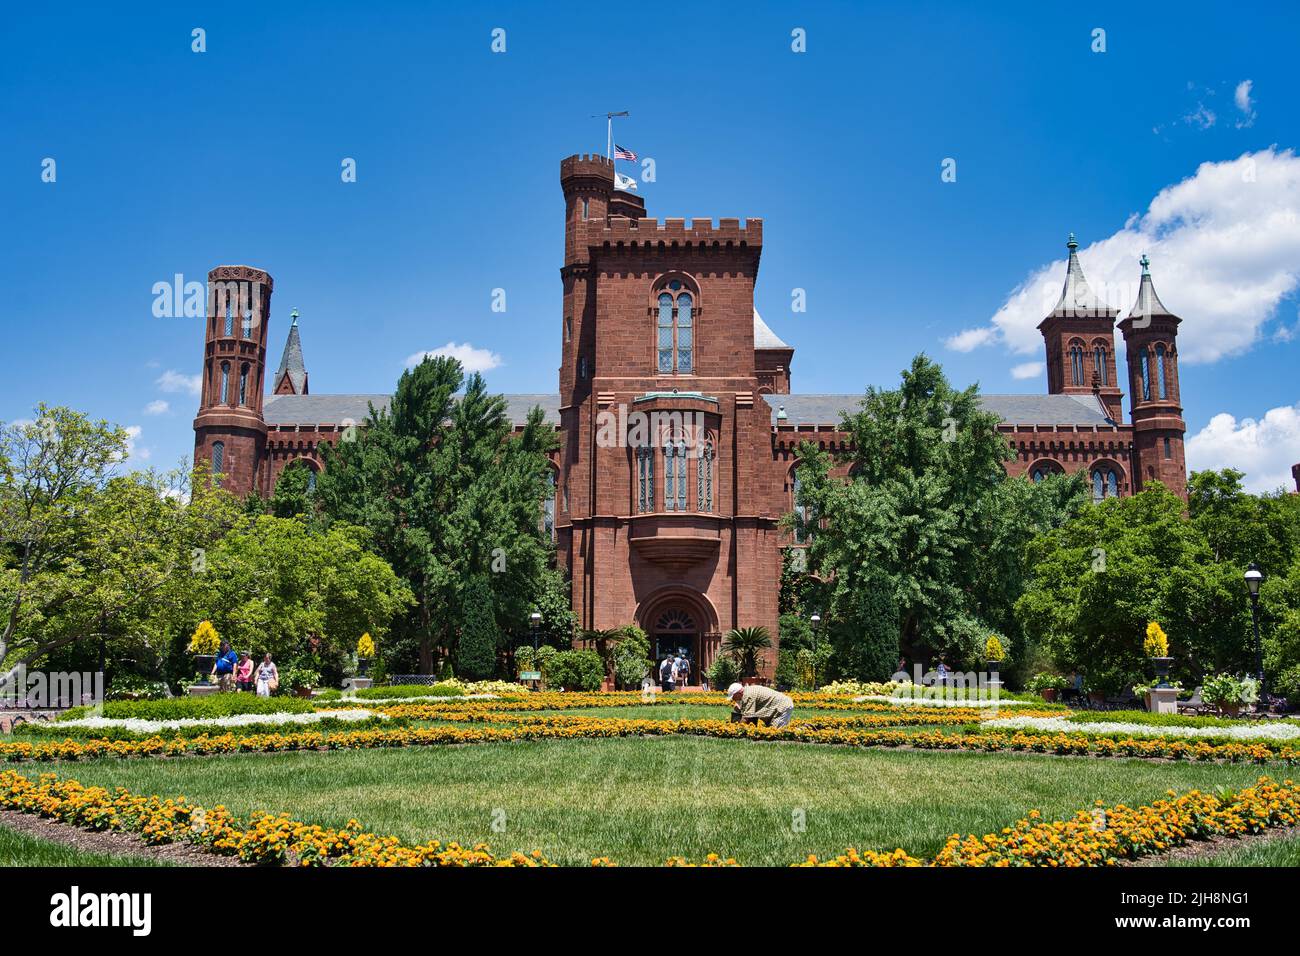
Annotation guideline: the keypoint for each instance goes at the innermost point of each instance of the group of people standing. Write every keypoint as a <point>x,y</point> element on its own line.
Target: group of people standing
<point>674,671</point>
<point>238,672</point>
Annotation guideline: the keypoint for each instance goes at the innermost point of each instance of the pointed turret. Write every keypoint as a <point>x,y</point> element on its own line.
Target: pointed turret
<point>291,376</point>
<point>1147,303</point>
<point>1079,334</point>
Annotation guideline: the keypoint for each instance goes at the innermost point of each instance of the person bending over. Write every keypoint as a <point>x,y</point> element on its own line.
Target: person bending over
<point>757,704</point>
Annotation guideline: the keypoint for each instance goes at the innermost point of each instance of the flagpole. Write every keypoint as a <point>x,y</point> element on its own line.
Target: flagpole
<point>609,135</point>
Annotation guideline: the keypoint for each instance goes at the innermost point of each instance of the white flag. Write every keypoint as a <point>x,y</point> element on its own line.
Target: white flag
<point>624,182</point>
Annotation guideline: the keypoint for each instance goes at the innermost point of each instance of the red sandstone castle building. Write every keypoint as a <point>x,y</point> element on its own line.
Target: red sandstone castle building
<point>658,323</point>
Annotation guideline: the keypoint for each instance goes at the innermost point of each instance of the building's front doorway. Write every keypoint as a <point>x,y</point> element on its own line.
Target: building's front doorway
<point>676,634</point>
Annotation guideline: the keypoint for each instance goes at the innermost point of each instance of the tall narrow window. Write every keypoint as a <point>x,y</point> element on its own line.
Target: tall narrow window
<point>1144,370</point>
<point>1076,364</point>
<point>1099,363</point>
<point>1169,449</point>
<point>685,333</point>
<point>247,324</point>
<point>675,330</point>
<point>665,332</point>
<point>568,328</point>
<point>230,316</point>
<point>548,506</point>
<point>225,382</point>
<point>1112,484</point>
<point>704,479</point>
<point>645,479</point>
<point>1098,486</point>
<point>1163,391</point>
<point>675,476</point>
<point>218,457</point>
<point>586,209</point>
<point>801,529</point>
<point>311,480</point>
<point>243,386</point>
<point>1105,483</point>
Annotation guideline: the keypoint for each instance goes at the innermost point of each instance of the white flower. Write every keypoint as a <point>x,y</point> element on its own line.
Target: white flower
<point>139,726</point>
<point>1272,730</point>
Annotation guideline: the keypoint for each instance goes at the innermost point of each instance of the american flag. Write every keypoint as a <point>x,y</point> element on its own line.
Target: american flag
<point>622,152</point>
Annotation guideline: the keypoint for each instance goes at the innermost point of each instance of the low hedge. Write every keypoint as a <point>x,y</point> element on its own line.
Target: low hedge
<point>180,708</point>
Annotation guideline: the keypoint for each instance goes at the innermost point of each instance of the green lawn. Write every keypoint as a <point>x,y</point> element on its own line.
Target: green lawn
<point>19,849</point>
<point>640,800</point>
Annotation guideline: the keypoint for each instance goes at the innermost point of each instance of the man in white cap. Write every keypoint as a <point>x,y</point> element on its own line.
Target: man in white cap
<point>757,704</point>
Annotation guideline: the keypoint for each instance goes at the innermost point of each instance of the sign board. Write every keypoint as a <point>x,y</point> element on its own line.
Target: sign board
<point>530,675</point>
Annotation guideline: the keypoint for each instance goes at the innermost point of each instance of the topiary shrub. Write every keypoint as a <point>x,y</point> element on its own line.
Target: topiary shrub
<point>575,670</point>
<point>723,672</point>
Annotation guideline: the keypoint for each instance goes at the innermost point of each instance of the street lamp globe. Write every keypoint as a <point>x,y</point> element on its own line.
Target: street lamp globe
<point>1254,577</point>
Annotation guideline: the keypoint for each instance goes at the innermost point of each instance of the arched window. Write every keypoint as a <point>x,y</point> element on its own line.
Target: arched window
<point>1144,369</point>
<point>1163,391</point>
<point>218,458</point>
<point>246,329</point>
<point>1038,474</point>
<point>645,479</point>
<point>675,329</point>
<point>586,207</point>
<point>1099,363</point>
<point>675,476</point>
<point>243,386</point>
<point>230,316</point>
<point>1105,483</point>
<point>1076,363</point>
<point>311,480</point>
<point>548,506</point>
<point>704,478</point>
<point>225,383</point>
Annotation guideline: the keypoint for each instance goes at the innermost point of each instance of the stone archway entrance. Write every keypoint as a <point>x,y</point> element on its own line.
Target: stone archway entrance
<point>678,622</point>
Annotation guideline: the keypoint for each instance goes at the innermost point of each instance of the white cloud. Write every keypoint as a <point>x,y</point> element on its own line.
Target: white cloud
<point>1027,370</point>
<point>971,339</point>
<point>157,407</point>
<point>1202,117</point>
<point>133,451</point>
<point>1265,449</point>
<point>173,381</point>
<point>471,359</point>
<point>1245,105</point>
<point>1225,250</point>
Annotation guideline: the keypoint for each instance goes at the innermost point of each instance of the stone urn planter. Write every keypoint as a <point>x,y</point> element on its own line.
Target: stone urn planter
<point>363,666</point>
<point>302,692</point>
<point>1230,710</point>
<point>1162,670</point>
<point>1048,694</point>
<point>993,669</point>
<point>203,664</point>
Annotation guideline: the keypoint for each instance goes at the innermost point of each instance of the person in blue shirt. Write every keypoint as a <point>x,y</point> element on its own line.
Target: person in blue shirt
<point>224,669</point>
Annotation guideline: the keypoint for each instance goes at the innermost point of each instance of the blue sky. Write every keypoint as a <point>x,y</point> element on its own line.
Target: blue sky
<point>171,161</point>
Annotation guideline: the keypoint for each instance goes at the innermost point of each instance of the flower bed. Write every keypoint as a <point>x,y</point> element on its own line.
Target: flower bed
<point>1261,730</point>
<point>565,727</point>
<point>267,722</point>
<point>1098,836</point>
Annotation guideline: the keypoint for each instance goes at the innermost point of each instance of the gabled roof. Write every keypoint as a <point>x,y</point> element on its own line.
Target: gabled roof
<point>1012,409</point>
<point>1147,303</point>
<point>291,361</point>
<point>764,337</point>
<point>353,409</point>
<point>1077,298</point>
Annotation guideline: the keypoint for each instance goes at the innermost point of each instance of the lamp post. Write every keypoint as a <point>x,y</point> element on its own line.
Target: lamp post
<point>534,622</point>
<point>1254,578</point>
<point>816,621</point>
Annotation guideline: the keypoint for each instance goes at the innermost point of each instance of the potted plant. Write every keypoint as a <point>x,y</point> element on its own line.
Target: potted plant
<point>204,644</point>
<point>1156,647</point>
<point>1047,686</point>
<point>994,654</point>
<point>365,653</point>
<point>1223,691</point>
<point>301,680</point>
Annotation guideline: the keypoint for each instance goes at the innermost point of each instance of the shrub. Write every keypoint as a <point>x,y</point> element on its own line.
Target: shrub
<point>993,650</point>
<point>205,639</point>
<point>1221,689</point>
<point>135,687</point>
<point>294,678</point>
<point>476,650</point>
<point>1156,643</point>
<point>1044,681</point>
<point>631,657</point>
<point>723,672</point>
<point>181,708</point>
<point>575,670</point>
<point>366,646</point>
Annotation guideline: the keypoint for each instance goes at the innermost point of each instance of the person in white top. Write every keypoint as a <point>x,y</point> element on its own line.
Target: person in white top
<point>268,677</point>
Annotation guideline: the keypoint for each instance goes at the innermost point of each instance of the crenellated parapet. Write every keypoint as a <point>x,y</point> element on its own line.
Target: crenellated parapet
<point>638,234</point>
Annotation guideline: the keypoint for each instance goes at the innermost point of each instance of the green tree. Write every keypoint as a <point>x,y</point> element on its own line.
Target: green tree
<point>927,528</point>
<point>306,596</point>
<point>480,638</point>
<point>448,492</point>
<point>1102,576</point>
